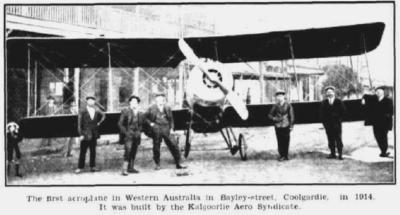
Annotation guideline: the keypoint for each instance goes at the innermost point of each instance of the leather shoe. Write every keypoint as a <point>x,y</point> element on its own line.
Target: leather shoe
<point>94,169</point>
<point>125,173</point>
<point>331,156</point>
<point>178,166</point>
<point>340,157</point>
<point>133,170</point>
<point>384,155</point>
<point>158,167</point>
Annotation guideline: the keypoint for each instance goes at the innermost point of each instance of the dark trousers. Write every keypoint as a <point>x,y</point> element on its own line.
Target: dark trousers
<point>283,137</point>
<point>163,133</point>
<point>380,133</point>
<point>11,148</point>
<point>131,146</point>
<point>334,134</point>
<point>85,144</point>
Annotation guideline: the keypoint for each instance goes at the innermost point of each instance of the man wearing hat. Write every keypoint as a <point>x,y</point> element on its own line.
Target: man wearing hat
<point>159,118</point>
<point>332,112</point>
<point>382,121</point>
<point>13,139</point>
<point>282,115</point>
<point>130,125</point>
<point>89,120</point>
<point>49,109</point>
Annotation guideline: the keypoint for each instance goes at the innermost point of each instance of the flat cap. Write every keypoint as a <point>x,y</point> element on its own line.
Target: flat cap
<point>50,98</point>
<point>280,92</point>
<point>90,97</point>
<point>381,87</point>
<point>159,94</point>
<point>329,88</point>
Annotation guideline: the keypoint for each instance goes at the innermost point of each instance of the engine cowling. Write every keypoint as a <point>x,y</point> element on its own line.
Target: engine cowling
<point>202,91</point>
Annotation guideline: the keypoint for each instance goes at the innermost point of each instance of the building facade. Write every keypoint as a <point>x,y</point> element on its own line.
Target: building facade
<point>112,86</point>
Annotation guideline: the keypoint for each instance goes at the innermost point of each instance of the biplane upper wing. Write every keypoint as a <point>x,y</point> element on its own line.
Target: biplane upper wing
<point>164,52</point>
<point>308,43</point>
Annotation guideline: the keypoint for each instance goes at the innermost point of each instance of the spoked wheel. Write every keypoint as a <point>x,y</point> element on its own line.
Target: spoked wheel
<point>242,147</point>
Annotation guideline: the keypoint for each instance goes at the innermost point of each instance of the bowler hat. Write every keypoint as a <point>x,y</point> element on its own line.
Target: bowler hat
<point>134,97</point>
<point>280,92</point>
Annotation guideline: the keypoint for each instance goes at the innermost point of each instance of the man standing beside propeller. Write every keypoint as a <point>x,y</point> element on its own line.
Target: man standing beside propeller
<point>159,118</point>
<point>282,115</point>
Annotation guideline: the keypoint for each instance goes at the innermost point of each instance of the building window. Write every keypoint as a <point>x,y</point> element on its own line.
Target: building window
<point>56,88</point>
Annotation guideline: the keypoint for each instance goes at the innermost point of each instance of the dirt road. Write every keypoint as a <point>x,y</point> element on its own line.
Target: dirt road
<point>208,164</point>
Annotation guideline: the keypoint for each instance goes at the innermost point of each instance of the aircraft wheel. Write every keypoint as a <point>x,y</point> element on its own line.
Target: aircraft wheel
<point>242,147</point>
<point>187,143</point>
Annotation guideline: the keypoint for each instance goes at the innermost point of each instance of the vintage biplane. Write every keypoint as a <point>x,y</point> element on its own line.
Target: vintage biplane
<point>209,84</point>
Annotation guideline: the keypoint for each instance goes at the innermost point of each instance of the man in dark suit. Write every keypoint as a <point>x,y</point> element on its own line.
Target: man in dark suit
<point>50,109</point>
<point>89,120</point>
<point>130,125</point>
<point>332,112</point>
<point>369,101</point>
<point>282,115</point>
<point>159,118</point>
<point>382,120</point>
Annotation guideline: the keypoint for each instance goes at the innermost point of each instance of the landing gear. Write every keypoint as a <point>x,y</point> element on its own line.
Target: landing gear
<point>240,143</point>
<point>187,142</point>
<point>234,143</point>
<point>242,147</point>
<point>187,133</point>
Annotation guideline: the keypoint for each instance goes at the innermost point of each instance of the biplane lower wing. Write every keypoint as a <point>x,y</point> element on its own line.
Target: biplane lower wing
<point>62,126</point>
<point>66,126</point>
<point>305,113</point>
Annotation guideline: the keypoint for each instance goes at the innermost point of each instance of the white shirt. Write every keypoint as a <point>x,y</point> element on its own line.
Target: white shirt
<point>161,108</point>
<point>331,100</point>
<point>135,111</point>
<point>91,111</point>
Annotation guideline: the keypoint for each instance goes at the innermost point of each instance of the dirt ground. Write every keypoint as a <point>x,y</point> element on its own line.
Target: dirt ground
<point>209,164</point>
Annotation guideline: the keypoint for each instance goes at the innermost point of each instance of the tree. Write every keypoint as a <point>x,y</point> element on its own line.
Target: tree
<point>343,78</point>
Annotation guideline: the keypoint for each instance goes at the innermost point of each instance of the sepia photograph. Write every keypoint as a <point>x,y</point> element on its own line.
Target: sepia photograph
<point>144,94</point>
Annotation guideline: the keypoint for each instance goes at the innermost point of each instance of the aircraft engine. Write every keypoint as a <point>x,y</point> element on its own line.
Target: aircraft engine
<point>202,91</point>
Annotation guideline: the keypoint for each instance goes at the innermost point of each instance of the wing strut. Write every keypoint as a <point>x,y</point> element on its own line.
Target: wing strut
<point>28,82</point>
<point>110,96</point>
<point>366,61</point>
<point>216,50</point>
<point>294,66</point>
